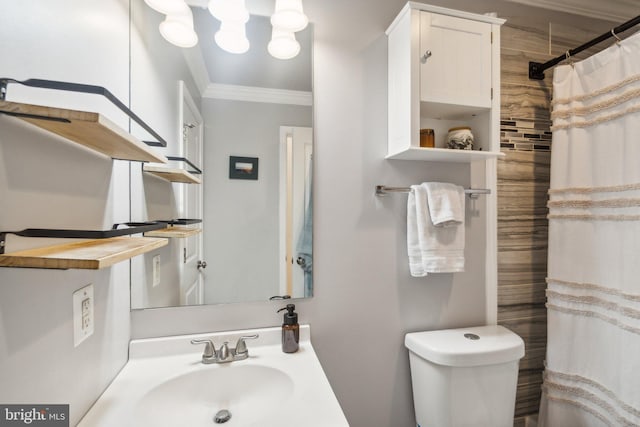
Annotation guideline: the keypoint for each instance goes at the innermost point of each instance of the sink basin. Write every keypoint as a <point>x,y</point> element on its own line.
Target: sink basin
<point>165,384</point>
<point>250,393</point>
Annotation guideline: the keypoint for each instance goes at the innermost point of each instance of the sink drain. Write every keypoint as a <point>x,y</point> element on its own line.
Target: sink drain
<point>222,416</point>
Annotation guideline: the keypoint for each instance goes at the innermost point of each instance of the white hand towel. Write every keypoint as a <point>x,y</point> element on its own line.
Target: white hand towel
<point>446,203</point>
<point>432,249</point>
<point>413,242</point>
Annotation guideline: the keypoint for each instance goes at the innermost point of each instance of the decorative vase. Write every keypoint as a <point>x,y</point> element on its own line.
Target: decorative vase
<point>460,138</point>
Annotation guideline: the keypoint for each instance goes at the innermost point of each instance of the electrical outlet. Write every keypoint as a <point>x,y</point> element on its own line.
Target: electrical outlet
<point>86,314</point>
<point>156,271</point>
<point>82,314</point>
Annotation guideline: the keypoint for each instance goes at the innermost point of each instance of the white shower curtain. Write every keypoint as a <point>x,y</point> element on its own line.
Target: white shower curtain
<point>592,375</point>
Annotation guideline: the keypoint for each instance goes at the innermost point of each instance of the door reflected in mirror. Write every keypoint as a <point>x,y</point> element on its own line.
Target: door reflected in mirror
<point>296,209</point>
<point>256,240</point>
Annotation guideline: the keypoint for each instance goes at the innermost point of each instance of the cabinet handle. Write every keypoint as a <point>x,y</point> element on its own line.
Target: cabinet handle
<point>426,56</point>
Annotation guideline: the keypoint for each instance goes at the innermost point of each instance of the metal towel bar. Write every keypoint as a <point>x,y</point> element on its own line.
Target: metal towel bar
<point>473,193</point>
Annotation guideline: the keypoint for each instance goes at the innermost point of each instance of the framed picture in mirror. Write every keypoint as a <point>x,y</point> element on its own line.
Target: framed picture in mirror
<point>243,167</point>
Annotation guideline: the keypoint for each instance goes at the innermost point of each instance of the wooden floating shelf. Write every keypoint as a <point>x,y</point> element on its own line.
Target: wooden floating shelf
<point>174,232</point>
<point>444,155</point>
<point>92,130</point>
<point>171,174</point>
<point>88,255</point>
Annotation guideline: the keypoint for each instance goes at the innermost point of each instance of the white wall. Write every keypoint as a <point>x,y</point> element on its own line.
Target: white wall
<point>48,182</point>
<point>242,216</point>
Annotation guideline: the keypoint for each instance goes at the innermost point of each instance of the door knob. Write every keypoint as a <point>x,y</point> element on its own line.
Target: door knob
<point>202,264</point>
<point>426,56</point>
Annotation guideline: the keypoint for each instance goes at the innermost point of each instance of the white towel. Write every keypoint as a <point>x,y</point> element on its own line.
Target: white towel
<point>446,203</point>
<point>431,248</point>
<point>413,242</point>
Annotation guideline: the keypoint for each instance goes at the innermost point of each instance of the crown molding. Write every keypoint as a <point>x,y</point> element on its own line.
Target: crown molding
<point>257,94</point>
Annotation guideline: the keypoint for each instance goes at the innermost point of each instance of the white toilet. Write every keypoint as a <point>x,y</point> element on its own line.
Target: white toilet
<point>464,377</point>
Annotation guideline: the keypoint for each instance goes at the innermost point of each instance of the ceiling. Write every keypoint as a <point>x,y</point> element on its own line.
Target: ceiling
<point>255,68</point>
<point>340,25</point>
<point>612,10</point>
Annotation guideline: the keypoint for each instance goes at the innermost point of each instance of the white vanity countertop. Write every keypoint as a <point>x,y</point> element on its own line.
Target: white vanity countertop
<point>269,389</point>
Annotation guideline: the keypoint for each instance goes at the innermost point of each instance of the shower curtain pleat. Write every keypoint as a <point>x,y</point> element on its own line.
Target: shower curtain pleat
<point>592,375</point>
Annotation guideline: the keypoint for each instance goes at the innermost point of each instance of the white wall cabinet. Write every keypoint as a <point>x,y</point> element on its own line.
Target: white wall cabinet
<point>444,70</point>
<point>457,68</point>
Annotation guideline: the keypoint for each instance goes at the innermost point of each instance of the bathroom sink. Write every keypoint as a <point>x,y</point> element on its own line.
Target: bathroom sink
<point>165,384</point>
<point>249,392</point>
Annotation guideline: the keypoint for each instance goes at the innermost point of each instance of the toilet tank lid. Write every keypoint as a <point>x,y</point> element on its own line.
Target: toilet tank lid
<point>482,345</point>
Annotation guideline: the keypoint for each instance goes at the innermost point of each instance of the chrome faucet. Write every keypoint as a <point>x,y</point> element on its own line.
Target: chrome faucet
<point>224,354</point>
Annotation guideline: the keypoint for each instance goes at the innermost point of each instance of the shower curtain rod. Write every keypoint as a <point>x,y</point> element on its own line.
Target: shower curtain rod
<point>536,69</point>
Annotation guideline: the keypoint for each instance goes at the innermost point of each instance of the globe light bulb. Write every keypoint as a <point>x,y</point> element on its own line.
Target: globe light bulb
<point>283,44</point>
<point>232,37</point>
<point>177,28</point>
<point>289,16</point>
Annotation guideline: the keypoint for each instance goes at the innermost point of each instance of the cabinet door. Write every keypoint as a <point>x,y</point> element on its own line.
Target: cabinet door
<point>458,71</point>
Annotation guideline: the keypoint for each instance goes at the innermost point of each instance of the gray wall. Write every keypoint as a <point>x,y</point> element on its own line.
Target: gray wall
<point>241,217</point>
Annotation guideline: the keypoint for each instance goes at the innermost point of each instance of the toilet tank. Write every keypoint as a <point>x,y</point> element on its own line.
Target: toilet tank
<point>464,377</point>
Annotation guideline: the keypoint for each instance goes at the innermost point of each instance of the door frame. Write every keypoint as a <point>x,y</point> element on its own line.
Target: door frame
<point>185,97</point>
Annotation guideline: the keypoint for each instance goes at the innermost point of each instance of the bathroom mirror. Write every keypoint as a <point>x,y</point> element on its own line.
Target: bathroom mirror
<point>252,115</point>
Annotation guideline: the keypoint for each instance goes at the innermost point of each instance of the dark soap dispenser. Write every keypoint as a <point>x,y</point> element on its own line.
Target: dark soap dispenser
<point>290,329</point>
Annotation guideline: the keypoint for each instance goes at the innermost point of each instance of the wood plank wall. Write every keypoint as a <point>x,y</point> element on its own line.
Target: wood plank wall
<point>523,181</point>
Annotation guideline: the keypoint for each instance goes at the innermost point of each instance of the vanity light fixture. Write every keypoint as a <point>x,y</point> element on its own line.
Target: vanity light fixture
<point>177,28</point>
<point>166,7</point>
<point>232,37</point>
<point>289,16</point>
<point>287,19</point>
<point>233,16</point>
<point>283,44</point>
<point>229,10</point>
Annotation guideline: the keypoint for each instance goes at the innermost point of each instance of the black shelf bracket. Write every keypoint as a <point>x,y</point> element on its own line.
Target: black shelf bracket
<point>195,170</point>
<point>35,116</point>
<point>181,221</point>
<point>122,229</point>
<point>82,88</point>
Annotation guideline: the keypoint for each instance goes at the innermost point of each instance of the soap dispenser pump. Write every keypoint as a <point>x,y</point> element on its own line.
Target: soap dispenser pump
<point>290,329</point>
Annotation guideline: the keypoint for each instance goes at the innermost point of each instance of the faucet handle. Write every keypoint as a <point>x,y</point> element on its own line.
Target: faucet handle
<point>223,353</point>
<point>241,346</point>
<point>209,348</point>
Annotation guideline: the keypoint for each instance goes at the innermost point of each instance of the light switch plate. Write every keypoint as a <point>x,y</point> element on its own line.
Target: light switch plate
<point>83,316</point>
